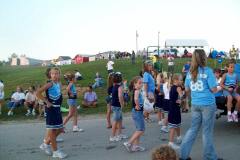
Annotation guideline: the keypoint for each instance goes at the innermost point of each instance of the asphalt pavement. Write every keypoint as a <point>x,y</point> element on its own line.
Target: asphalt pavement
<point>21,140</point>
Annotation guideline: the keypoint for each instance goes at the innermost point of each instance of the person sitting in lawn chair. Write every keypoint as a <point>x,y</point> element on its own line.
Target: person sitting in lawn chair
<point>98,81</point>
<point>17,99</point>
<point>229,83</point>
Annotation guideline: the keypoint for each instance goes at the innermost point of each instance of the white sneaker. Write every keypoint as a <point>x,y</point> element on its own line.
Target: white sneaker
<point>165,129</point>
<point>46,148</point>
<point>122,136</point>
<point>128,146</point>
<point>78,107</point>
<point>229,117</point>
<point>174,146</point>
<point>76,129</point>
<point>235,117</point>
<point>160,123</point>
<point>59,139</point>
<point>33,112</point>
<point>10,113</point>
<point>137,148</point>
<point>114,139</point>
<point>59,154</point>
<point>179,140</point>
<point>28,113</point>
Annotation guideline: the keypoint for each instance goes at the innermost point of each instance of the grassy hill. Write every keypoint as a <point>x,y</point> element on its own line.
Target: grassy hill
<point>26,76</point>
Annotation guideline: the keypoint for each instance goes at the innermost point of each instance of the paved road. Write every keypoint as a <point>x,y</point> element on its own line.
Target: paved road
<point>20,141</point>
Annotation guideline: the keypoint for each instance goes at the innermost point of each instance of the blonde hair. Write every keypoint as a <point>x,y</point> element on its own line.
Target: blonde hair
<point>133,81</point>
<point>110,80</point>
<point>70,76</point>
<point>199,59</point>
<point>164,152</point>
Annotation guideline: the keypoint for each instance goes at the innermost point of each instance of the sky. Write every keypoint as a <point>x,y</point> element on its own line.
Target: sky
<point>46,29</point>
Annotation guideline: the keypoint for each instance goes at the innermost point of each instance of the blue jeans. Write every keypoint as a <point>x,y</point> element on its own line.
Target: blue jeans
<point>201,116</point>
<point>138,119</point>
<point>117,113</point>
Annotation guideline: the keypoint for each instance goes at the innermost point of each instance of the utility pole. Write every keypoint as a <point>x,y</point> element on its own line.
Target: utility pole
<point>136,42</point>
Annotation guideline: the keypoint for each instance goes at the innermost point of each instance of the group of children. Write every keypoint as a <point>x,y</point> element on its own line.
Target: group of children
<point>169,97</point>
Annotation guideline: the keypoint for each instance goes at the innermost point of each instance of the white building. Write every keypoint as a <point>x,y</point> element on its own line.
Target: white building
<point>64,60</point>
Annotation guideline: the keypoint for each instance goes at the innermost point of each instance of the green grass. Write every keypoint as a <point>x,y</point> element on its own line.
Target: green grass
<point>26,76</point>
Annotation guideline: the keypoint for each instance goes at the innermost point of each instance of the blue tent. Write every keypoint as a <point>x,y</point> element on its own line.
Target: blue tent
<point>237,70</point>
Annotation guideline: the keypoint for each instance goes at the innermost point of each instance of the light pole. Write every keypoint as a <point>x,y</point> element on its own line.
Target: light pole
<point>137,42</point>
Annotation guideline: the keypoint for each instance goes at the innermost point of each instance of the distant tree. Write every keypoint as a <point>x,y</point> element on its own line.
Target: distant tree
<point>14,55</point>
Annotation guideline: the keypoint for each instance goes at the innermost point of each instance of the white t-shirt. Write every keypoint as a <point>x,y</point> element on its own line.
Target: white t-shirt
<point>30,97</point>
<point>18,96</point>
<point>170,61</point>
<point>1,90</point>
<point>110,65</point>
<point>166,90</point>
<point>77,74</point>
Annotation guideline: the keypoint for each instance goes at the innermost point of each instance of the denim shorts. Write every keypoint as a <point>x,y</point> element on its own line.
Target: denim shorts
<point>117,113</point>
<point>72,102</point>
<point>138,120</point>
<point>227,93</point>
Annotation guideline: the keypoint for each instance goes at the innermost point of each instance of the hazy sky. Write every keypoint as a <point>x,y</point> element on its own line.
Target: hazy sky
<point>45,29</point>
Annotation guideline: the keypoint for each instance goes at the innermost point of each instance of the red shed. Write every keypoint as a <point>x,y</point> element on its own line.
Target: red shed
<point>78,59</point>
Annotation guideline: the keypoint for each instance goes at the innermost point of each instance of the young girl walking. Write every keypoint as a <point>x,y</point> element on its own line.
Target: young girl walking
<point>117,105</point>
<point>109,99</point>
<point>159,97</point>
<point>137,114</point>
<point>72,102</point>
<point>166,90</point>
<point>174,115</point>
<point>54,122</point>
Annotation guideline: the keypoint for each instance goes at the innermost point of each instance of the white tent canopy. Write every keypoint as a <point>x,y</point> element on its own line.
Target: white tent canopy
<point>186,43</point>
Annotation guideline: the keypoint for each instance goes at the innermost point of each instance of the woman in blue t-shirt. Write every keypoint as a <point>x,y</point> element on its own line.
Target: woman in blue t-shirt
<point>202,83</point>
<point>149,88</point>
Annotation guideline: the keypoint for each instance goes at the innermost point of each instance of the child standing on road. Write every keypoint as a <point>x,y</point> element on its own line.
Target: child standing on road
<point>117,105</point>
<point>174,116</point>
<point>137,114</point>
<point>109,99</point>
<point>54,122</point>
<point>159,96</point>
<point>229,84</point>
<point>1,95</point>
<point>72,102</point>
<point>166,90</point>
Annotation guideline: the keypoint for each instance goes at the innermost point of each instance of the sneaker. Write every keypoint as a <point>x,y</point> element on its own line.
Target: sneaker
<point>46,148</point>
<point>174,146</point>
<point>230,118</point>
<point>78,107</point>
<point>33,112</point>
<point>76,129</point>
<point>10,113</point>
<point>160,123</point>
<point>128,146</point>
<point>28,113</point>
<point>59,154</point>
<point>165,129</point>
<point>136,148</point>
<point>234,117</point>
<point>59,139</point>
<point>114,139</point>
<point>179,140</point>
<point>122,136</point>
